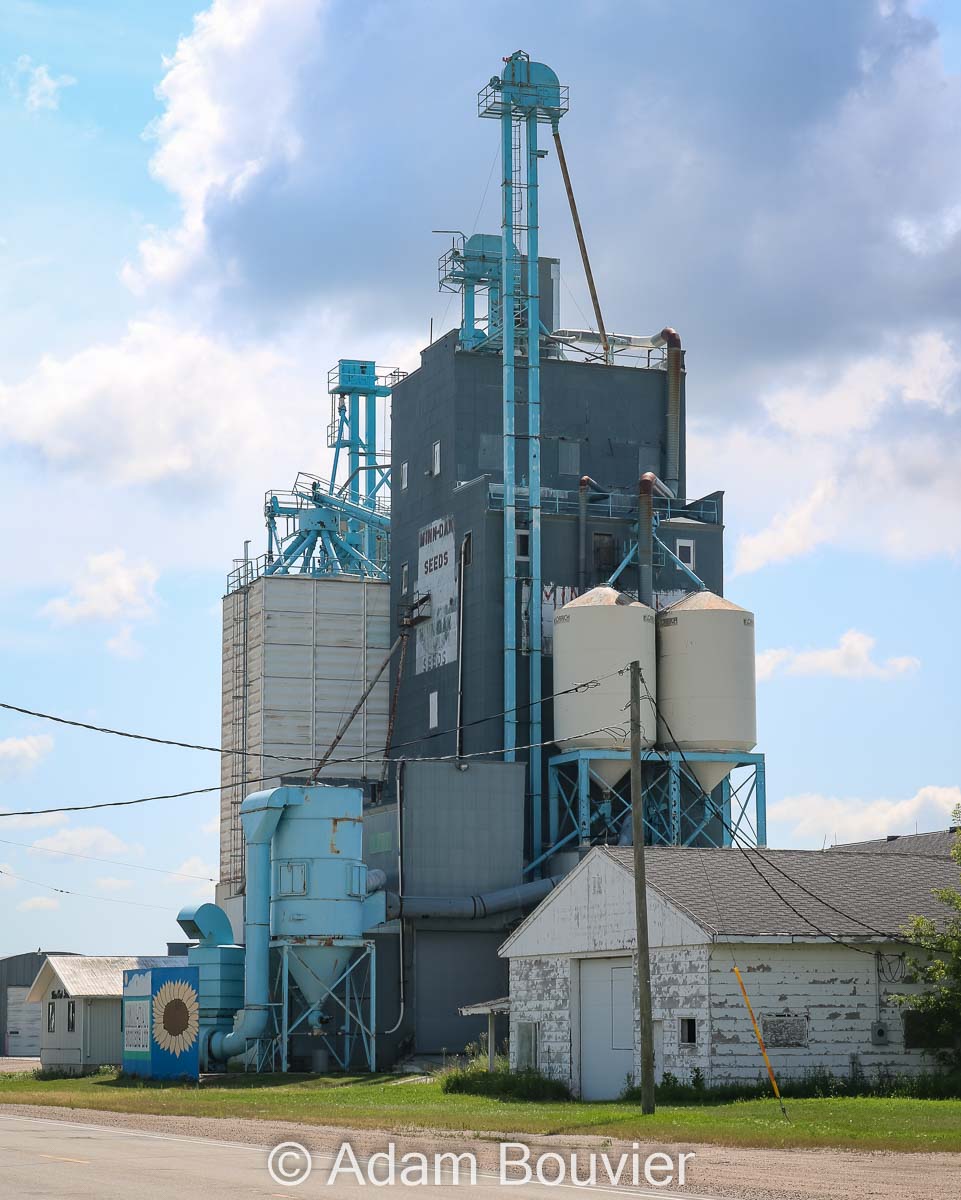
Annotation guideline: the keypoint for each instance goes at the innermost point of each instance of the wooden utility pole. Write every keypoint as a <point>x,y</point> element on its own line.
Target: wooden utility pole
<point>640,900</point>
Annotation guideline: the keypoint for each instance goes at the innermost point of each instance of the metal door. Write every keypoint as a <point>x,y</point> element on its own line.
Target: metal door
<point>607,1027</point>
<point>23,1025</point>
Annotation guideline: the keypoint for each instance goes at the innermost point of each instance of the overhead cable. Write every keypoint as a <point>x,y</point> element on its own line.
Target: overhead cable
<point>113,862</point>
<point>83,895</point>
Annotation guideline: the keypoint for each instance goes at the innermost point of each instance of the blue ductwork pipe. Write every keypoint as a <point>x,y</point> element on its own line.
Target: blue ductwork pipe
<point>260,814</point>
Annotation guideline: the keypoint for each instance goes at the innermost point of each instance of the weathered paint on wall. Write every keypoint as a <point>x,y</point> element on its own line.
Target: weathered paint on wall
<point>540,990</point>
<point>832,992</point>
<point>836,993</point>
<point>593,913</point>
<point>546,991</point>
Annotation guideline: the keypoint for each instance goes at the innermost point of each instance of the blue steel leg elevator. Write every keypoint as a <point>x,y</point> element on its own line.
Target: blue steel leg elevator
<point>526,94</point>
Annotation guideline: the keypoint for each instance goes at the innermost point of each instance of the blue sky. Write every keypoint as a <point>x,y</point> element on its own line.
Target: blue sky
<point>206,206</point>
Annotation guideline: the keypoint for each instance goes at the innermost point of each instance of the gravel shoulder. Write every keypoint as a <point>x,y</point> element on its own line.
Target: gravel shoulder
<point>742,1174</point>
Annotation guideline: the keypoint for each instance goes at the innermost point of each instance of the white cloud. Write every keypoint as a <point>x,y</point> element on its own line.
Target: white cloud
<point>791,532</point>
<point>867,463</point>
<point>109,588</point>
<point>198,889</point>
<point>228,95</point>
<point>6,881</point>
<point>112,883</point>
<point>812,819</point>
<point>84,839</point>
<point>38,821</point>
<point>836,402</point>
<point>163,402</point>
<point>35,87</point>
<point>851,658</point>
<point>21,754</point>
<point>124,645</point>
<point>930,235</point>
<point>211,826</point>
<point>39,904</point>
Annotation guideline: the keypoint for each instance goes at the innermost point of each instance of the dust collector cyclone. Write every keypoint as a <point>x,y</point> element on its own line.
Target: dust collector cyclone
<point>705,680</point>
<point>596,635</point>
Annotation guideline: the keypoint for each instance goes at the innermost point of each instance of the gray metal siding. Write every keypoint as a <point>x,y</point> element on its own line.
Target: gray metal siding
<point>463,829</point>
<point>17,970</point>
<point>452,971</point>
<point>614,415</point>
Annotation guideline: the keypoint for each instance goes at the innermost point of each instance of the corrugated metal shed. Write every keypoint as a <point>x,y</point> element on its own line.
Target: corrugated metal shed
<point>87,977</point>
<point>17,970</point>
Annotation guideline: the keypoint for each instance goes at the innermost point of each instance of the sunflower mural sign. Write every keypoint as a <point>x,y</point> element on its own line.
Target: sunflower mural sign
<point>161,1023</point>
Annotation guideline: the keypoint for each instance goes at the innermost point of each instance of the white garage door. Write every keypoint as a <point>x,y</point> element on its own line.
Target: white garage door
<point>23,1024</point>
<point>607,1027</point>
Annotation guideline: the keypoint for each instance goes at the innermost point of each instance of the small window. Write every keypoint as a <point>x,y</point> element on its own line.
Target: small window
<point>435,460</point>
<point>688,1035</point>
<point>403,477</point>
<point>604,553</point>
<point>527,1039</point>
<point>569,458</point>
<point>468,548</point>
<point>51,1016</point>
<point>684,549</point>
<point>71,1016</point>
<point>523,543</point>
<point>432,710</point>
<point>404,578</point>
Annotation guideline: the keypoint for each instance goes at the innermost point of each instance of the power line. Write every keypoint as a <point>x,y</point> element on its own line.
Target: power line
<point>218,787</point>
<point>222,787</point>
<point>83,895</point>
<point>736,842</point>
<point>182,745</point>
<point>138,737</point>
<point>111,861</point>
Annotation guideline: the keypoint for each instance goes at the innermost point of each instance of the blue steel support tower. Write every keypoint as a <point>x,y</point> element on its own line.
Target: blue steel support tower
<point>321,527</point>
<point>524,95</point>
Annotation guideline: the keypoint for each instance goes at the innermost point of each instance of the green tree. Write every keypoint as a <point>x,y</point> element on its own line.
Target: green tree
<point>937,965</point>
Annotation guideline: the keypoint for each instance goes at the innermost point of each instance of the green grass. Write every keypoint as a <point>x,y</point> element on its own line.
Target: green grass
<point>383,1102</point>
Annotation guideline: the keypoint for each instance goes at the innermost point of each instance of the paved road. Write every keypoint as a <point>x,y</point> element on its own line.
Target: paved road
<point>57,1160</point>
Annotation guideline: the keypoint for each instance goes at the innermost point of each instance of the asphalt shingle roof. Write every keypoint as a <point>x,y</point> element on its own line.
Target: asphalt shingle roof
<point>940,841</point>
<point>722,892</point>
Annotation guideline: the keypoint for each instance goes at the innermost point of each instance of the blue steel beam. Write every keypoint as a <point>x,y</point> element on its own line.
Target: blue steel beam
<point>534,481</point>
<point>508,316</point>
<point>671,819</point>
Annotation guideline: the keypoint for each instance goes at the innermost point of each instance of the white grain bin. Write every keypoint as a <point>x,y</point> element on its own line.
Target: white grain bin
<point>596,635</point>
<point>705,680</point>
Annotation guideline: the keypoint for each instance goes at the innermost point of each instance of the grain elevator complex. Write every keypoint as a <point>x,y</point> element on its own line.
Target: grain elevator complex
<point>425,673</point>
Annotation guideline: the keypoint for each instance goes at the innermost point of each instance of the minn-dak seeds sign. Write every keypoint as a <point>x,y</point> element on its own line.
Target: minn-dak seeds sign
<point>437,575</point>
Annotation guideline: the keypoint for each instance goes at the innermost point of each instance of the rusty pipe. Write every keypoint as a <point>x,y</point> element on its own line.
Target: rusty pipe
<point>647,486</point>
<point>581,243</point>
<point>672,433</point>
<point>586,484</point>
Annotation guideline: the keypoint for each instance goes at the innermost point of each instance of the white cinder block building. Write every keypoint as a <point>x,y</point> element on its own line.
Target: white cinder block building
<point>81,999</point>
<point>821,1004</point>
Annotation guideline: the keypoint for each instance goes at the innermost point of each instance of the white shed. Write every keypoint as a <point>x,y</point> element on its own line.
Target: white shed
<point>819,977</point>
<point>81,1008</point>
